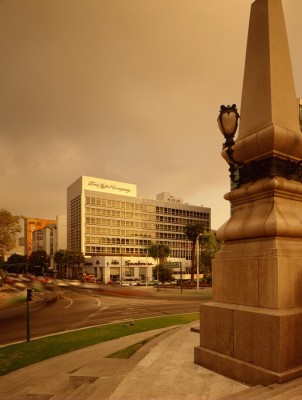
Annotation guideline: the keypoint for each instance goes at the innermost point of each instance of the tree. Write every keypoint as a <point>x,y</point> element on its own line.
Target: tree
<point>164,274</point>
<point>60,261</point>
<point>16,263</point>
<point>74,258</point>
<point>210,246</point>
<point>9,228</point>
<point>159,251</point>
<point>16,259</point>
<point>39,258</point>
<point>193,231</point>
<point>66,261</point>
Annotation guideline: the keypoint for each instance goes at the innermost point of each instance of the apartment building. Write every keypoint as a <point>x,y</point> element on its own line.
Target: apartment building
<point>51,237</point>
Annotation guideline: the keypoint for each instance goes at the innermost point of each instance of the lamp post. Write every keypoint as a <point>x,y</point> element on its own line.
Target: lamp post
<point>228,122</point>
<point>157,261</point>
<point>197,260</point>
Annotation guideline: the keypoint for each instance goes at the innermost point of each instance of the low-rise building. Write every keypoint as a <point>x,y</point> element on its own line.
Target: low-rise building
<point>52,237</point>
<point>105,269</point>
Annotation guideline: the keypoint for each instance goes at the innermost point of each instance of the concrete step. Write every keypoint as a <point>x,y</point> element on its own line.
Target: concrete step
<point>79,393</point>
<point>105,386</point>
<point>63,394</point>
<point>87,391</point>
<point>46,389</point>
<point>19,394</point>
<point>284,395</point>
<point>282,391</point>
<point>59,396</point>
<point>285,391</point>
<point>247,393</point>
<point>195,328</point>
<point>79,380</point>
<point>38,396</point>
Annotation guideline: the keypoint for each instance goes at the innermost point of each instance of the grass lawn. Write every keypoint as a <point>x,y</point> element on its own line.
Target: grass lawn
<point>21,355</point>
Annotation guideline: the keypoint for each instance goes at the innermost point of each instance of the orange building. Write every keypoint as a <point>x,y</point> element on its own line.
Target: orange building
<point>30,225</point>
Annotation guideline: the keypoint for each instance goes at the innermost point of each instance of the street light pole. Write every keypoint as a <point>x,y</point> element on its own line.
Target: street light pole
<point>197,260</point>
<point>180,277</point>
<point>157,275</point>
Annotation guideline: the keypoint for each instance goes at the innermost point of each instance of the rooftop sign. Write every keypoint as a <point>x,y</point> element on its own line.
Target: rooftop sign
<point>106,186</point>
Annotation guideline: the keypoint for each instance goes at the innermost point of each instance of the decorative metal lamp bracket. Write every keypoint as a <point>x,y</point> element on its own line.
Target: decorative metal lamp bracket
<point>240,172</point>
<point>228,123</point>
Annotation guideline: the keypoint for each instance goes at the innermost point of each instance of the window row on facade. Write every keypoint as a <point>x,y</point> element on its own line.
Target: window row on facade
<point>182,212</point>
<point>134,241</point>
<point>119,214</point>
<point>133,251</point>
<point>117,240</point>
<point>107,204</point>
<point>96,212</point>
<point>97,230</point>
<point>115,250</point>
<point>123,205</point>
<point>101,222</point>
<point>121,223</point>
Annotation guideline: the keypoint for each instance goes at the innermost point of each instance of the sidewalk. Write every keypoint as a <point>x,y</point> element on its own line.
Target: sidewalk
<point>162,369</point>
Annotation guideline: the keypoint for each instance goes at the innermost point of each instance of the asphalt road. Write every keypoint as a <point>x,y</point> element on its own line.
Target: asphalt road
<point>78,308</point>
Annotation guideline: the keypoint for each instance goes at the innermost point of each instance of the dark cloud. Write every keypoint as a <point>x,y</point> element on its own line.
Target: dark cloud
<point>127,90</point>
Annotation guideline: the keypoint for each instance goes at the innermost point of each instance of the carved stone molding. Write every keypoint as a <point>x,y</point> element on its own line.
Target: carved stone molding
<point>269,168</point>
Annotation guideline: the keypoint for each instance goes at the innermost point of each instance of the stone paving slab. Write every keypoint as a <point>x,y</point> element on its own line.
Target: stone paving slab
<point>163,368</point>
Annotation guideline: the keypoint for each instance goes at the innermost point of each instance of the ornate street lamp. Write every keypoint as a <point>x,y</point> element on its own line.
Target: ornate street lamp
<point>228,122</point>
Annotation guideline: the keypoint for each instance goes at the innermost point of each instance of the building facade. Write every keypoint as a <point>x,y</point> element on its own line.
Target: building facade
<point>40,234</point>
<point>130,270</point>
<point>31,225</point>
<point>52,237</point>
<point>107,218</point>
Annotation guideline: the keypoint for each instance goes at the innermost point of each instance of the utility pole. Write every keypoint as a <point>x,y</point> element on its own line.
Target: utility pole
<point>180,277</point>
<point>28,299</point>
<point>197,260</point>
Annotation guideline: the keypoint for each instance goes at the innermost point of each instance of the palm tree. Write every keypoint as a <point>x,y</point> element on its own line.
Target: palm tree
<point>159,252</point>
<point>60,260</point>
<point>193,231</point>
<point>74,258</point>
<point>66,261</point>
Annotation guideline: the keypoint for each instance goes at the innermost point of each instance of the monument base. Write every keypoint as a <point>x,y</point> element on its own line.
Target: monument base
<point>241,371</point>
<point>252,345</point>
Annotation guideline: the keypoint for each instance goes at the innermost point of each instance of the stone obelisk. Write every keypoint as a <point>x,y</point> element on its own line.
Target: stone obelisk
<point>251,331</point>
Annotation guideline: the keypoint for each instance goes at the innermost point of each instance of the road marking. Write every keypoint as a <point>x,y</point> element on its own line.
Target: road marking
<point>34,309</point>
<point>39,306</point>
<point>71,302</point>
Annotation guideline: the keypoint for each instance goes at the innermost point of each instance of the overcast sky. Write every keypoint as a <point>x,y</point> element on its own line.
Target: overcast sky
<point>126,90</point>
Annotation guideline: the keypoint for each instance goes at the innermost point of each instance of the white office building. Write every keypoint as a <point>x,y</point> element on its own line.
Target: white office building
<point>108,222</point>
<point>107,218</point>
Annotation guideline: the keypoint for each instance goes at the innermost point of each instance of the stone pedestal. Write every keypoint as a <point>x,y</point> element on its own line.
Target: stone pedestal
<point>250,344</point>
<point>251,330</point>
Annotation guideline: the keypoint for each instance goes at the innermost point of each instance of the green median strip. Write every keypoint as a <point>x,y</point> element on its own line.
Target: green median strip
<point>21,355</point>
